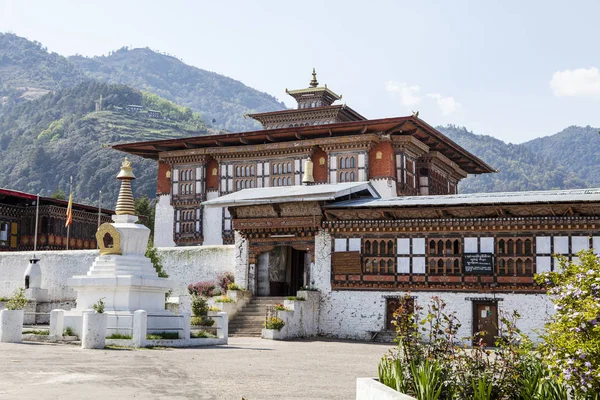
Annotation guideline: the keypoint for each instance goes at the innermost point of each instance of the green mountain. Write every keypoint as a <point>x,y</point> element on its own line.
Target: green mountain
<point>28,71</point>
<point>519,167</point>
<point>222,101</point>
<point>44,142</point>
<point>576,148</point>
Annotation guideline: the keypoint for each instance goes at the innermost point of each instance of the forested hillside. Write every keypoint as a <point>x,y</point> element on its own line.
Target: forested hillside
<point>43,142</point>
<point>519,168</point>
<point>222,101</point>
<point>576,148</point>
<point>28,71</point>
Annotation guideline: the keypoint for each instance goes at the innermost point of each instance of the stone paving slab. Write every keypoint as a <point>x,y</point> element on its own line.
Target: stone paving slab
<point>252,368</point>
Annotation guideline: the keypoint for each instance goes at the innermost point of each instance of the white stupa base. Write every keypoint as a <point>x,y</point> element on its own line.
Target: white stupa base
<point>37,294</point>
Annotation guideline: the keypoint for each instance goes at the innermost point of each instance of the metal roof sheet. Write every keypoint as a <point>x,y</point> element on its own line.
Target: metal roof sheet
<point>289,194</point>
<point>545,196</point>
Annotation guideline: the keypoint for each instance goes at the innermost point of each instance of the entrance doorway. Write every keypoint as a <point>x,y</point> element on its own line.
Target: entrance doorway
<point>281,271</point>
<point>485,319</point>
<point>392,304</point>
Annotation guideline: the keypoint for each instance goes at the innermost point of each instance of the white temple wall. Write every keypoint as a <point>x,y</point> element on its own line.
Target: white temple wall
<point>184,265</point>
<point>355,313</point>
<point>212,225</point>
<point>385,187</point>
<point>163,222</point>
<point>244,272</point>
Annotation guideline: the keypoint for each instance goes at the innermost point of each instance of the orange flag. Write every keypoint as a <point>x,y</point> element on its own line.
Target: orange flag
<point>70,211</point>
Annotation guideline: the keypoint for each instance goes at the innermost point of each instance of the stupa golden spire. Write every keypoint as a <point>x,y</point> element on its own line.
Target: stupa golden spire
<point>125,205</point>
<point>313,82</point>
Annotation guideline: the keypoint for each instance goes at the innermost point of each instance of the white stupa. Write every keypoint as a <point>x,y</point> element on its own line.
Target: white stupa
<point>121,275</point>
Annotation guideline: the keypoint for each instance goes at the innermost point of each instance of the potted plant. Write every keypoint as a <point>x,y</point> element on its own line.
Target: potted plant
<point>94,327</point>
<point>11,319</point>
<point>272,328</point>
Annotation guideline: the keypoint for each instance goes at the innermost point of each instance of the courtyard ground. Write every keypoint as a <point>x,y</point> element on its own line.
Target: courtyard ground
<point>252,368</point>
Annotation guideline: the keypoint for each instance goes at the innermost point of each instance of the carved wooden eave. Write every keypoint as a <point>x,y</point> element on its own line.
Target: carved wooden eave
<point>473,211</point>
<point>427,226</point>
<point>410,145</point>
<point>444,164</point>
<point>189,157</point>
<point>363,142</point>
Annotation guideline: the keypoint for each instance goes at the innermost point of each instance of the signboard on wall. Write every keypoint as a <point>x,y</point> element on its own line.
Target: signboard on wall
<point>478,263</point>
<point>346,262</point>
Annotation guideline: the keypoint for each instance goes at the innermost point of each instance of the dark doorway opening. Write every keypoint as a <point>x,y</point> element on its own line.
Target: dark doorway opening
<point>281,272</point>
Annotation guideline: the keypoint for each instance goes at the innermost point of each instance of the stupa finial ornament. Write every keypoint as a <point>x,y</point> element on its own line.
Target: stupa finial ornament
<point>313,82</point>
<point>125,205</point>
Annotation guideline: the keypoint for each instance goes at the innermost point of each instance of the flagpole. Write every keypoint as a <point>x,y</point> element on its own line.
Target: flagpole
<point>70,194</point>
<point>37,217</point>
<point>99,214</point>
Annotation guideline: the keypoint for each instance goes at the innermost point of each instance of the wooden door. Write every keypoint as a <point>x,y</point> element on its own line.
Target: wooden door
<point>485,319</point>
<point>392,304</point>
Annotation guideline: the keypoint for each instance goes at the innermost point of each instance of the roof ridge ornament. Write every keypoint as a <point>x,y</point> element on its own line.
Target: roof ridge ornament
<point>313,82</point>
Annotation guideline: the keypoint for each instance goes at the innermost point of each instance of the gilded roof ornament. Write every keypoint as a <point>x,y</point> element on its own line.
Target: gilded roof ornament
<point>313,82</point>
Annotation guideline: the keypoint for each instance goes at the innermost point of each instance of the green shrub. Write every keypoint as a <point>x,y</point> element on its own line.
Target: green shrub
<point>162,335</point>
<point>199,306</point>
<point>119,336</point>
<point>214,309</point>
<point>17,301</point>
<point>274,323</point>
<point>202,321</point>
<point>309,289</point>
<point>68,331</point>
<point>296,298</point>
<point>233,286</point>
<point>41,332</point>
<point>224,299</point>
<point>201,334</point>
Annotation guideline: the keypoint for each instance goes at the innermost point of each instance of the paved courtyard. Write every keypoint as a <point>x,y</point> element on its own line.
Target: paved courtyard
<point>251,368</point>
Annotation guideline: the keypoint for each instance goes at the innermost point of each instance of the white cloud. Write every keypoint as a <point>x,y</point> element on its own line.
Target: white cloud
<point>411,95</point>
<point>576,82</point>
<point>447,104</point>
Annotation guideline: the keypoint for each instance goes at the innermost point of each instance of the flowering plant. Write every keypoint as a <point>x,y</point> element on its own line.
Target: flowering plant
<point>280,307</point>
<point>571,345</point>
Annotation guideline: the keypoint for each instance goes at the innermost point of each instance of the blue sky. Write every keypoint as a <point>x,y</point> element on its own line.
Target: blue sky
<point>515,70</point>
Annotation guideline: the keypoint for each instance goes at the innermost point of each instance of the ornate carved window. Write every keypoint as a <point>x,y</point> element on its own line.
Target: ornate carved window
<point>379,256</point>
<point>188,225</point>
<point>187,183</point>
<point>244,176</point>
<point>514,256</point>
<point>282,173</point>
<point>347,168</point>
<point>444,256</point>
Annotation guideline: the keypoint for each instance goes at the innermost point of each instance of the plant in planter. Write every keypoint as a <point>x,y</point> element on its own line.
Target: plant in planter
<point>94,327</point>
<point>280,307</point>
<point>11,319</point>
<point>233,286</point>
<point>224,279</point>
<point>274,323</point>
<point>224,299</point>
<point>200,312</point>
<point>295,298</point>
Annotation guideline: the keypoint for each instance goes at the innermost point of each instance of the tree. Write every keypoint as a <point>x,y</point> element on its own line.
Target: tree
<point>571,345</point>
<point>58,194</point>
<point>144,208</point>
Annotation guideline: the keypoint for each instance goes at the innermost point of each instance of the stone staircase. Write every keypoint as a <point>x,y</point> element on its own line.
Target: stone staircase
<point>249,320</point>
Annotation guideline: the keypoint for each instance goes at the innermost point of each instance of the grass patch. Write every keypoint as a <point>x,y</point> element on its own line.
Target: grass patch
<point>162,335</point>
<point>119,336</point>
<point>201,334</point>
<point>42,332</point>
<point>69,331</point>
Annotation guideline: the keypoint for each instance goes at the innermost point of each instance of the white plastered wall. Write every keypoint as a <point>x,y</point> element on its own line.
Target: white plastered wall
<point>385,187</point>
<point>212,225</point>
<point>163,222</point>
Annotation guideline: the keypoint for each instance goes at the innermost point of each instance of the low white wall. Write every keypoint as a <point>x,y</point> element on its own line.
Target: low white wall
<point>184,265</point>
<point>371,389</point>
